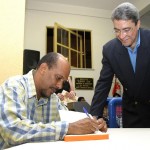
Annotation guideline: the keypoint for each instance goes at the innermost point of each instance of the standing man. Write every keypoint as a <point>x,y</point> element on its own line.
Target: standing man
<point>128,57</point>
<point>29,106</point>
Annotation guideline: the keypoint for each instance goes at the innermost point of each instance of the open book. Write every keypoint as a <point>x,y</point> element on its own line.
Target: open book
<point>72,116</point>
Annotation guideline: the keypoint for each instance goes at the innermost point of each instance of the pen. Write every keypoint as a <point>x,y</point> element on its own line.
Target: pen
<point>90,116</point>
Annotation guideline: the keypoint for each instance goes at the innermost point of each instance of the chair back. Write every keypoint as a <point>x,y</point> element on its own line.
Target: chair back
<point>115,112</point>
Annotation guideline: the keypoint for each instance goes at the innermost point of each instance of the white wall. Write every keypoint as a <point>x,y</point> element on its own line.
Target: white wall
<point>144,8</point>
<point>42,14</point>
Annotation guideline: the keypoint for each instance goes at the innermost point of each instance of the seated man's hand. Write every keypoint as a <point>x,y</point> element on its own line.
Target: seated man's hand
<point>87,126</point>
<point>102,125</point>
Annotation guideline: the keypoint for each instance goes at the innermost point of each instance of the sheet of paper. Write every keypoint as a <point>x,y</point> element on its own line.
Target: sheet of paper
<point>71,116</point>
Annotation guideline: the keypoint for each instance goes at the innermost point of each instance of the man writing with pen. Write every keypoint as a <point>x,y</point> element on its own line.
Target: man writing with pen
<point>29,106</point>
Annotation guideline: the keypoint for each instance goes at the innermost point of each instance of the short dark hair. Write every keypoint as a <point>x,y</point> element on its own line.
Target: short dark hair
<point>126,11</point>
<point>50,59</point>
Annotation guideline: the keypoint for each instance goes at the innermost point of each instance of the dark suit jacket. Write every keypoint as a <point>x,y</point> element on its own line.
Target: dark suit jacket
<point>136,85</point>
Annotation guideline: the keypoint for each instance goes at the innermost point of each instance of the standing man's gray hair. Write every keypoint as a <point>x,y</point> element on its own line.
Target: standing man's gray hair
<point>126,11</point>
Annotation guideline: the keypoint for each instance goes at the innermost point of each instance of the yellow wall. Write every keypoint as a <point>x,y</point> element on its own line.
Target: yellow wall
<point>12,16</point>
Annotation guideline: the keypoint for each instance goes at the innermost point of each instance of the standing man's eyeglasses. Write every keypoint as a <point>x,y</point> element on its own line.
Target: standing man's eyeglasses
<point>123,31</point>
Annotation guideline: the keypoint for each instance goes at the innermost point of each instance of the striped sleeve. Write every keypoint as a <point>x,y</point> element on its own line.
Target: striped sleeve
<point>15,126</point>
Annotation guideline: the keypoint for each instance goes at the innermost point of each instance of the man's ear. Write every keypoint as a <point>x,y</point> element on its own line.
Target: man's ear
<point>43,67</point>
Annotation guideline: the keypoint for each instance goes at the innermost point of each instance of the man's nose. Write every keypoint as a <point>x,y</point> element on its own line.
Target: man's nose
<point>121,35</point>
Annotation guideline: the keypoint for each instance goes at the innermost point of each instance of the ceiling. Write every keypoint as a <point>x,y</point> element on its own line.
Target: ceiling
<point>99,4</point>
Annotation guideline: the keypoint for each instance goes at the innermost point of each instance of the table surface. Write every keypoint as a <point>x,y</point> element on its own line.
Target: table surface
<point>119,139</point>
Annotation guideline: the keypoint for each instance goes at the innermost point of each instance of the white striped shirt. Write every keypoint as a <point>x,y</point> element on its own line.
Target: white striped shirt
<point>25,119</point>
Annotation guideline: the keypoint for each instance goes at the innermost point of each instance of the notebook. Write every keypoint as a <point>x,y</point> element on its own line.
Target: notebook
<point>72,116</point>
<point>85,137</point>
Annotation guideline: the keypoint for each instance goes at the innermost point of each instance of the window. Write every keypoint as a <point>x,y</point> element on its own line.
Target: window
<point>74,44</point>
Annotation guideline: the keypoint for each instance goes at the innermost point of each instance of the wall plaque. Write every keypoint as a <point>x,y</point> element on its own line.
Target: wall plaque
<point>84,83</point>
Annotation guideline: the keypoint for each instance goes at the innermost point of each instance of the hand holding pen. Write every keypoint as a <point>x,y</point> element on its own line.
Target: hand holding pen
<point>87,126</point>
<point>86,112</point>
<point>102,126</point>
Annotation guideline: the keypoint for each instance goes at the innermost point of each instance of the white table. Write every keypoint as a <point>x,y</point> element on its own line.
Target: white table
<point>119,139</point>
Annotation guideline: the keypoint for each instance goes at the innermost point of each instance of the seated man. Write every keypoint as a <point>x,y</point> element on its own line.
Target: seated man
<point>29,106</point>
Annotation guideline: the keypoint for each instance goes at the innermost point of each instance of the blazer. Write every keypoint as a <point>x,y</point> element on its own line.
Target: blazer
<point>136,85</point>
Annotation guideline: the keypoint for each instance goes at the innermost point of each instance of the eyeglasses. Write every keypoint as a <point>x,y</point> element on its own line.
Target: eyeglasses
<point>123,31</point>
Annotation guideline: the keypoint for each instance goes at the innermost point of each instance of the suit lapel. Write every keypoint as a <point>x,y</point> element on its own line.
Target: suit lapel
<point>125,65</point>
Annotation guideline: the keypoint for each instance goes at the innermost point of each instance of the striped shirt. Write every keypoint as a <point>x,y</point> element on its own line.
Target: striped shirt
<point>24,118</point>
